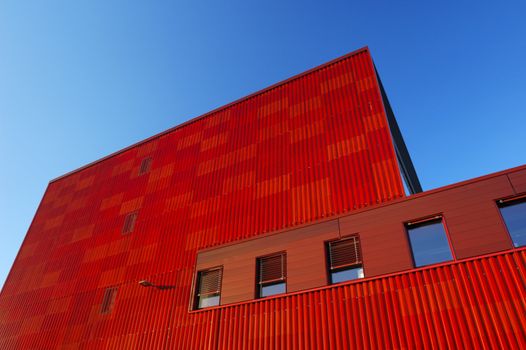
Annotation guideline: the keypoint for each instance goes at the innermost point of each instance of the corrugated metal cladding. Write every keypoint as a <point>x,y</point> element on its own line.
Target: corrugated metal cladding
<point>474,304</point>
<point>314,146</point>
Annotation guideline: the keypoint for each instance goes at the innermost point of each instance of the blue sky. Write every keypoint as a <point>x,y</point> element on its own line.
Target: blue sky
<point>79,80</point>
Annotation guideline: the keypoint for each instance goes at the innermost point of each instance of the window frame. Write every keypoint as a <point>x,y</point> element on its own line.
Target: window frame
<point>506,201</point>
<point>259,284</point>
<point>329,270</point>
<point>196,295</point>
<point>436,217</point>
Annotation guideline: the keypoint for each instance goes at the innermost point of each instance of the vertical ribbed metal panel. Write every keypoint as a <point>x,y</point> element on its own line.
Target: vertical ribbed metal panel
<point>315,146</point>
<point>474,304</point>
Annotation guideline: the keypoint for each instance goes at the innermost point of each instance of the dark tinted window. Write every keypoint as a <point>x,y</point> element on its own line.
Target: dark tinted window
<point>514,214</point>
<point>429,242</point>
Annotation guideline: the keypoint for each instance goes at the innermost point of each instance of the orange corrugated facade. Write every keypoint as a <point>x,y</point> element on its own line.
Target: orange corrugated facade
<point>311,147</point>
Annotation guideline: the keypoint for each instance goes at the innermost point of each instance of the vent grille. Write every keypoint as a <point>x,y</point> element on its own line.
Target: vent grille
<point>345,252</point>
<point>272,268</point>
<point>129,223</point>
<point>108,300</point>
<point>145,165</point>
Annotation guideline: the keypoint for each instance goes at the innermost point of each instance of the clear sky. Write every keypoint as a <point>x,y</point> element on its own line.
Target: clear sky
<point>82,79</point>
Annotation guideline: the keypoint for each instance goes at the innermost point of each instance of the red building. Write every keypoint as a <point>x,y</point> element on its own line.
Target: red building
<point>278,221</point>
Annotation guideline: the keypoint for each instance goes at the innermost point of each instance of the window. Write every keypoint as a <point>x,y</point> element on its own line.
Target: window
<point>208,288</point>
<point>145,165</point>
<point>345,259</point>
<point>129,223</point>
<point>271,275</point>
<point>108,300</point>
<point>514,214</point>
<point>429,242</point>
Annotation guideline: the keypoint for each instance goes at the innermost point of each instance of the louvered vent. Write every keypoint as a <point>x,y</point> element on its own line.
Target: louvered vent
<point>129,223</point>
<point>345,252</point>
<point>210,282</point>
<point>272,268</point>
<point>145,165</point>
<point>108,300</point>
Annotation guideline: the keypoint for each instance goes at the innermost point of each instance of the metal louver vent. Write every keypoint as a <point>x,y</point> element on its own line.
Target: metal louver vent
<point>210,282</point>
<point>129,223</point>
<point>272,268</point>
<point>108,300</point>
<point>345,252</point>
<point>145,165</point>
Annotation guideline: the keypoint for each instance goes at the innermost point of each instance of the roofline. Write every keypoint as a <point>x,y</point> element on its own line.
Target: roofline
<point>202,116</point>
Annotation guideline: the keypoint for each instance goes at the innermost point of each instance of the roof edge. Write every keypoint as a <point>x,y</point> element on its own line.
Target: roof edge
<point>202,116</point>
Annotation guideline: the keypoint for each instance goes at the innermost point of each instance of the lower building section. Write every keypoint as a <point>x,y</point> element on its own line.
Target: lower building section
<point>472,303</point>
